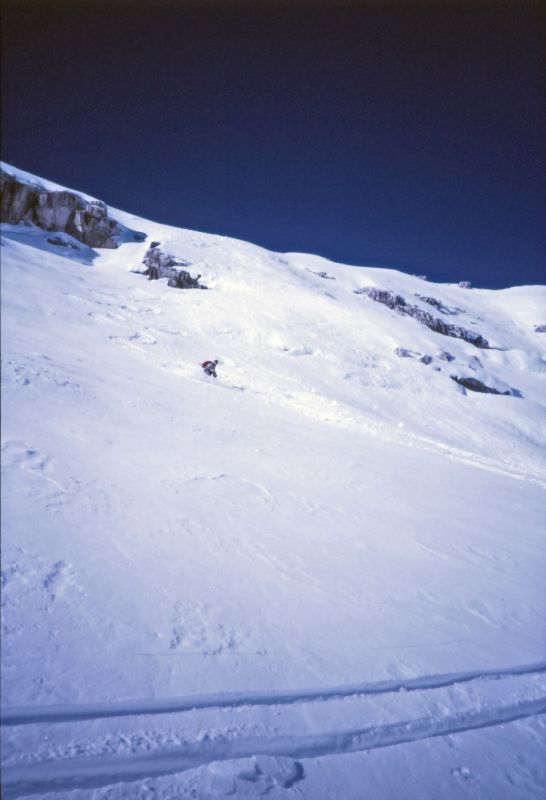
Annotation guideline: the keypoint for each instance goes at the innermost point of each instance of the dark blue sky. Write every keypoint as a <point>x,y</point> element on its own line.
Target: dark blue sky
<point>398,134</point>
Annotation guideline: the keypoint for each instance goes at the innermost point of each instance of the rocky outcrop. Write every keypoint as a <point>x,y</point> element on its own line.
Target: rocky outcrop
<point>159,264</point>
<point>432,301</point>
<point>540,328</point>
<point>397,303</point>
<point>394,301</point>
<point>403,352</point>
<point>63,211</point>
<point>476,386</point>
<point>473,384</point>
<point>322,274</point>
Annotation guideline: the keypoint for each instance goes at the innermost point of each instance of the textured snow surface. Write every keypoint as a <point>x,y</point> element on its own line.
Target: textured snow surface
<point>320,576</point>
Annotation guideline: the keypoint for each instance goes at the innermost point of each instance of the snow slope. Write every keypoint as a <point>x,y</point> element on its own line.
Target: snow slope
<point>321,576</point>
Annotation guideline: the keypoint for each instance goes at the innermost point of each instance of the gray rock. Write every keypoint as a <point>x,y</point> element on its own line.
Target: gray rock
<point>476,386</point>
<point>322,275</point>
<point>397,303</point>
<point>184,280</point>
<point>540,328</point>
<point>445,356</point>
<point>403,352</point>
<point>426,359</point>
<point>432,301</point>
<point>63,211</point>
<point>393,301</point>
<point>162,265</point>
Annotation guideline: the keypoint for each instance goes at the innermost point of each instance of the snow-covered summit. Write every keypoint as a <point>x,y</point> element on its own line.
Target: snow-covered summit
<point>340,508</point>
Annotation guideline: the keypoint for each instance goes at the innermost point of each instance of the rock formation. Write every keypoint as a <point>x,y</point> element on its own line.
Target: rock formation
<point>322,274</point>
<point>63,211</point>
<point>403,352</point>
<point>397,303</point>
<point>432,301</point>
<point>477,386</point>
<point>161,265</point>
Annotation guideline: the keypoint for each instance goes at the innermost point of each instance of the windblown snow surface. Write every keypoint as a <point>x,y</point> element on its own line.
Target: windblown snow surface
<point>320,576</point>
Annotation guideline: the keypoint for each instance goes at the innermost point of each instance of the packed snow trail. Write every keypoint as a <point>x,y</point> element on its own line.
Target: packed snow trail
<point>25,716</point>
<point>447,715</point>
<point>102,771</point>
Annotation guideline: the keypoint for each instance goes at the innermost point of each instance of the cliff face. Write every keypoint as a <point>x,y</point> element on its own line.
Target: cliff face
<point>87,221</point>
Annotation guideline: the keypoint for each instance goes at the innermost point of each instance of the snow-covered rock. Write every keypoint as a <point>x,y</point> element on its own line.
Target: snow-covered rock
<point>56,210</point>
<point>158,264</point>
<point>397,303</point>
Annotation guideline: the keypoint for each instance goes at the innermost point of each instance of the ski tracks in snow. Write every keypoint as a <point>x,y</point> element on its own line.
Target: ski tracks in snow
<point>67,713</point>
<point>447,704</point>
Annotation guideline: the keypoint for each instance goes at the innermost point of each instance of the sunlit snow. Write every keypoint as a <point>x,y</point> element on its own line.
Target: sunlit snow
<point>320,576</point>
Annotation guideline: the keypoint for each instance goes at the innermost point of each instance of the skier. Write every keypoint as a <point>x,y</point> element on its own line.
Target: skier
<point>209,367</point>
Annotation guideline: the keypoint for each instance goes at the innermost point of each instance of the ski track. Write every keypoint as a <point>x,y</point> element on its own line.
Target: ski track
<point>70,713</point>
<point>93,772</point>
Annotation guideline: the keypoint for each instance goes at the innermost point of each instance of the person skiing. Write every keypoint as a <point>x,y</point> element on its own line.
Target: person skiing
<point>209,367</point>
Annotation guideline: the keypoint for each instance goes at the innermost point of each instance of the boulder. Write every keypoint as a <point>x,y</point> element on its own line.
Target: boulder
<point>167,266</point>
<point>403,352</point>
<point>476,386</point>
<point>184,280</point>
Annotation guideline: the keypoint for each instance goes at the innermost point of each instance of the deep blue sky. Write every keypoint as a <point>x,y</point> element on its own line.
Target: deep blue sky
<point>395,134</point>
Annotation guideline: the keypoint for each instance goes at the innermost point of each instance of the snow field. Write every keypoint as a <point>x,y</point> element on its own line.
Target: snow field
<point>324,518</point>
